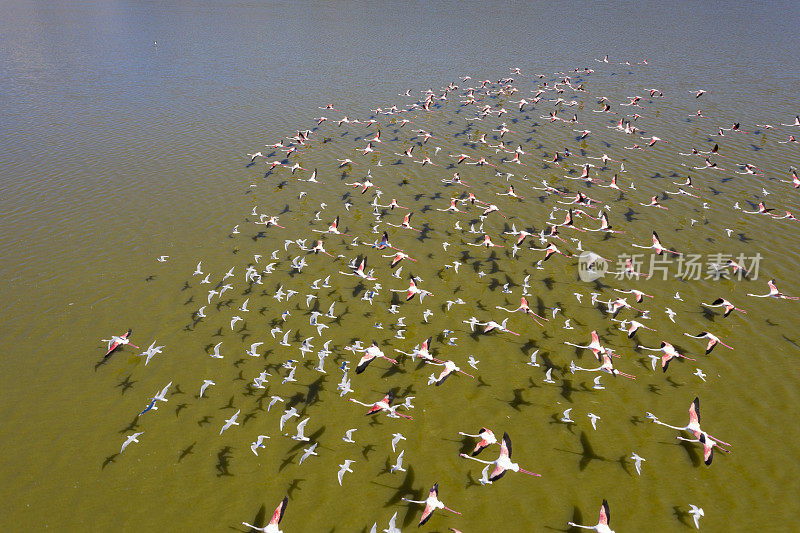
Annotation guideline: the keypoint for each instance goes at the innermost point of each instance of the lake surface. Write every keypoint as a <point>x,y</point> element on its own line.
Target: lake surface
<point>124,133</point>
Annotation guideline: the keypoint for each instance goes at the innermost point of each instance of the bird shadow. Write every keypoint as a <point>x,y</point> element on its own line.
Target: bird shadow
<point>186,451</point>
<point>518,401</point>
<point>681,515</point>
<point>587,453</point>
<point>223,462</point>
<point>294,486</point>
<point>108,460</point>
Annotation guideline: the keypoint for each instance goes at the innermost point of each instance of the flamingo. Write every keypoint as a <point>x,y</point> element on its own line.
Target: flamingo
<point>670,353</point>
<point>602,522</point>
<point>333,228</point>
<point>594,346</point>
<point>607,367</point>
<point>431,504</point>
<point>503,463</point>
<point>487,438</point>
<point>406,223</point>
<point>372,352</point>
<point>604,224</point>
<point>491,325</point>
<point>116,341</point>
<point>550,250</point>
<point>657,246</point>
<point>713,340</point>
<point>413,290</point>
<point>523,306</point>
<point>773,292</point>
<point>694,422</point>
<point>359,271</point>
<point>277,516</point>
<point>449,368</point>
<point>722,302</point>
<point>382,405</point>
<point>708,446</point>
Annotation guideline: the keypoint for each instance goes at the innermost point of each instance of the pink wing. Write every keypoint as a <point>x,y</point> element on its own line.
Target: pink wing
<point>278,515</point>
<point>605,514</point>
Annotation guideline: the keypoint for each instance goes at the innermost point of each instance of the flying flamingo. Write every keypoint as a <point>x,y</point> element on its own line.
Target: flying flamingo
<point>431,504</point>
<point>722,302</point>
<point>602,523</point>
<point>487,438</point>
<point>708,446</point>
<point>604,224</point>
<point>413,290</point>
<point>491,325</point>
<point>594,346</point>
<point>382,405</point>
<point>116,341</point>
<point>669,352</point>
<point>713,340</point>
<point>607,367</point>
<point>523,306</point>
<point>359,271</point>
<point>503,463</point>
<point>449,368</point>
<point>634,327</point>
<point>656,246</point>
<point>406,223</point>
<point>277,516</point>
<point>550,250</point>
<point>420,351</point>
<point>333,228</point>
<point>694,422</point>
<point>372,352</point>
<point>773,292</point>
<point>487,242</point>
<point>636,293</point>
<point>399,256</point>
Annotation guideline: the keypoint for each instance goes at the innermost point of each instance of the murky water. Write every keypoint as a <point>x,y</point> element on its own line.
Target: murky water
<point>124,129</point>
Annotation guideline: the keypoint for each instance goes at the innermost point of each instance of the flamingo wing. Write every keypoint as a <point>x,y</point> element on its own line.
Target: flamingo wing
<point>505,446</point>
<point>278,514</point>
<point>443,376</point>
<point>708,449</point>
<point>426,514</point>
<point>364,363</point>
<point>605,514</point>
<point>480,447</point>
<point>710,345</point>
<point>111,348</point>
<point>497,473</point>
<point>114,345</point>
<point>694,412</point>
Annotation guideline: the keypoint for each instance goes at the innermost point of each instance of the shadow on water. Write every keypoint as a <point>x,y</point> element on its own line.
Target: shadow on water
<point>107,460</point>
<point>186,451</point>
<point>223,462</point>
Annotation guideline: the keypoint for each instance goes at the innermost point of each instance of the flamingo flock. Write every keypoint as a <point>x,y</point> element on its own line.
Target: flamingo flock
<point>336,225</point>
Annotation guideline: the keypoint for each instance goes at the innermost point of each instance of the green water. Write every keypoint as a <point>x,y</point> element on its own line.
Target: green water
<point>117,150</point>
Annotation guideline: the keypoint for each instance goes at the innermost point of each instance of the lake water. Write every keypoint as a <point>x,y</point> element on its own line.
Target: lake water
<point>123,134</point>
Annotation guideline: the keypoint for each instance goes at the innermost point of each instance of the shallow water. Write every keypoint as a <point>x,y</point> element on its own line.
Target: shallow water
<point>116,151</point>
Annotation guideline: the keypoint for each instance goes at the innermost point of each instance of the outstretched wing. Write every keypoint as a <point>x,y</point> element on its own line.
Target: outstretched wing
<point>694,412</point>
<point>605,514</point>
<point>278,515</point>
<point>505,446</point>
